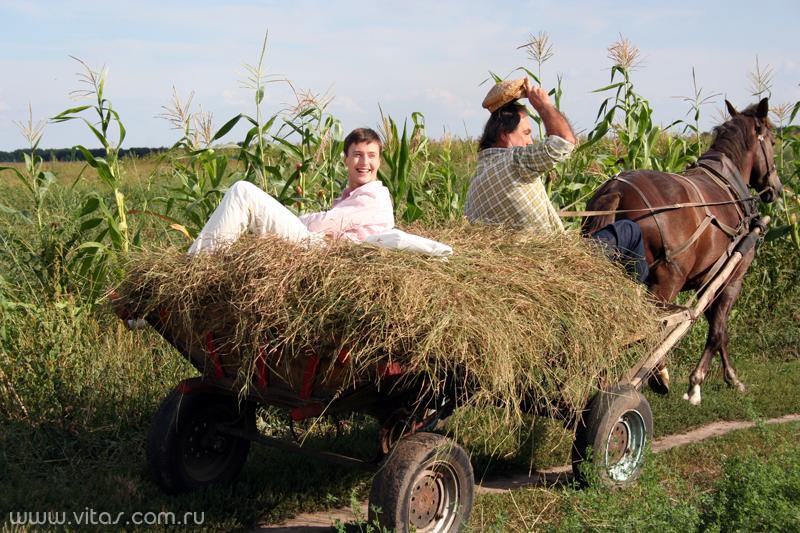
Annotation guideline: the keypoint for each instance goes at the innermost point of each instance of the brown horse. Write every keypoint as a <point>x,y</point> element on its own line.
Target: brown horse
<point>685,246</point>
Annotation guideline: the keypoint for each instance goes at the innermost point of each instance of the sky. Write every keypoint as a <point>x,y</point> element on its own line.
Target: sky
<point>404,56</point>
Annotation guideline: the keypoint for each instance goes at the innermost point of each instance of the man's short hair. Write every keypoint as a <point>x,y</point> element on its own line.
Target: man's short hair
<point>504,120</point>
<point>362,135</point>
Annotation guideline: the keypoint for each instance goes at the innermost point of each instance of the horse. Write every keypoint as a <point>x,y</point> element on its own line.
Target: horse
<point>685,246</point>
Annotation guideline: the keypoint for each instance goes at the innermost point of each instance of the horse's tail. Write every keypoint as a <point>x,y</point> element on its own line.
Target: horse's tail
<point>602,201</point>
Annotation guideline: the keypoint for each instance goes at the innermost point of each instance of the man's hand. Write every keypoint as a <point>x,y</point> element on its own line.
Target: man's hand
<point>538,97</point>
<point>554,122</point>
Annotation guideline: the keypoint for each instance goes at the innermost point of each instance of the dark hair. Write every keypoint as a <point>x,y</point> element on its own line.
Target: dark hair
<point>503,120</point>
<point>362,135</point>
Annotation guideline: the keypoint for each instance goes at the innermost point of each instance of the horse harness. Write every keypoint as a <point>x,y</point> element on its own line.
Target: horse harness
<point>717,167</point>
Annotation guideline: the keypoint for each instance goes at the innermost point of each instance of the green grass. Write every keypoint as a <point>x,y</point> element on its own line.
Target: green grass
<point>744,481</point>
<point>53,469</point>
<point>77,392</point>
<point>93,403</point>
<point>771,393</point>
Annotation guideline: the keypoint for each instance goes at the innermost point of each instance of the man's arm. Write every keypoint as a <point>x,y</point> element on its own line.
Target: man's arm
<point>539,157</point>
<point>554,122</point>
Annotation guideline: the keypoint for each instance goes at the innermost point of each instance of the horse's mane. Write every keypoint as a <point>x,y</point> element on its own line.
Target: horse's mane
<point>734,137</point>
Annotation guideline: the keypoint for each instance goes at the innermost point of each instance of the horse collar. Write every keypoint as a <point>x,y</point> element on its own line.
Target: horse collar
<point>728,172</point>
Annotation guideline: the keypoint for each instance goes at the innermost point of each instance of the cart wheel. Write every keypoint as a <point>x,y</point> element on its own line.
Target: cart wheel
<point>184,449</point>
<point>425,484</point>
<point>613,435</point>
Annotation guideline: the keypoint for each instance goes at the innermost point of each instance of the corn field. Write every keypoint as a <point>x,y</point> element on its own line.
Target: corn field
<point>73,235</point>
<point>68,367</point>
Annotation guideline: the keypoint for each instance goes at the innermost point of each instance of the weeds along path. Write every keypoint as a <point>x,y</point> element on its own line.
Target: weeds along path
<point>559,474</point>
<point>324,520</point>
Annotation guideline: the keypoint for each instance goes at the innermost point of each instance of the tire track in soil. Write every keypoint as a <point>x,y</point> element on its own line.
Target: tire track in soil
<point>324,520</point>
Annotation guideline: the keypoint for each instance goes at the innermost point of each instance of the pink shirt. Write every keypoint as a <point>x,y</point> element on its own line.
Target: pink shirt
<point>356,214</point>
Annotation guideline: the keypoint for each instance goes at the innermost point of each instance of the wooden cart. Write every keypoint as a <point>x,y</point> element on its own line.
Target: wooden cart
<point>203,429</point>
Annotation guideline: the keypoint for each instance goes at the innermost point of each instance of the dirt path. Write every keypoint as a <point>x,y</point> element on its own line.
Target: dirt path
<point>323,521</point>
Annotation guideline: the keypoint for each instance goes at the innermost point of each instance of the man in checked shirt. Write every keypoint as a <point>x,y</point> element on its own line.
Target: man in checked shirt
<point>508,188</point>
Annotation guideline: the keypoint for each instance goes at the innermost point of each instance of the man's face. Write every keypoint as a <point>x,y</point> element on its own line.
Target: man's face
<point>362,161</point>
<point>521,136</point>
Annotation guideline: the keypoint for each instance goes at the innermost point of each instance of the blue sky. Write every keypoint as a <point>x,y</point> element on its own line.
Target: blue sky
<point>407,56</point>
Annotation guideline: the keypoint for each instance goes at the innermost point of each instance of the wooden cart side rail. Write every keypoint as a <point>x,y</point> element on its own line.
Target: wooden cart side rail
<point>642,370</point>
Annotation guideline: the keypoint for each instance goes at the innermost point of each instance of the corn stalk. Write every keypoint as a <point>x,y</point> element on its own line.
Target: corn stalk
<point>108,218</point>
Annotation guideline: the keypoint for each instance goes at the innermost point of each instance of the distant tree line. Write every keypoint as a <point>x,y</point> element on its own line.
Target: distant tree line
<point>73,154</point>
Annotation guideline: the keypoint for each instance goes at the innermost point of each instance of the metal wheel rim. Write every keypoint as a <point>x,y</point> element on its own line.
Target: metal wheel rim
<point>625,446</point>
<point>433,498</point>
<point>206,452</point>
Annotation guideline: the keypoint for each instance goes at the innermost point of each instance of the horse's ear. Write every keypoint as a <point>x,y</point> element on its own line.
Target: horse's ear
<point>763,108</point>
<point>731,110</point>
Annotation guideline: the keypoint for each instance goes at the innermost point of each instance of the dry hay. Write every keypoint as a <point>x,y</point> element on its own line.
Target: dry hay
<point>512,314</point>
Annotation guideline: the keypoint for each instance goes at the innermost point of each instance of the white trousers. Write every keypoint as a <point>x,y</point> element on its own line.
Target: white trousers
<point>247,209</point>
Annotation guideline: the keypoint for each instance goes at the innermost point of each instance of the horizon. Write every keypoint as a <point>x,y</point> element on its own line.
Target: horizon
<point>231,146</point>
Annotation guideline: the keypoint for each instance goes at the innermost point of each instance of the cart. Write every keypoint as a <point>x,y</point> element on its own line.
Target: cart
<point>203,429</point>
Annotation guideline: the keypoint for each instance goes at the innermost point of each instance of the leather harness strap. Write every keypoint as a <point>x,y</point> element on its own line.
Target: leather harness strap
<point>720,262</point>
<point>734,187</point>
<point>650,207</point>
<point>696,235</point>
<point>660,209</point>
<point>670,254</point>
<point>731,232</point>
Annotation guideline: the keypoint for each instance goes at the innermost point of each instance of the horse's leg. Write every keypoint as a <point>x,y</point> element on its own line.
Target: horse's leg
<point>731,294</point>
<point>717,340</point>
<point>698,376</point>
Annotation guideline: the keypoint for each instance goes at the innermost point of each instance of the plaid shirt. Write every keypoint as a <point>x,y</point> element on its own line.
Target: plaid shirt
<point>508,189</point>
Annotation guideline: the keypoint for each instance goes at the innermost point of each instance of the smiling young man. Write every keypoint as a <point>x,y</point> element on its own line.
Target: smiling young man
<point>363,209</point>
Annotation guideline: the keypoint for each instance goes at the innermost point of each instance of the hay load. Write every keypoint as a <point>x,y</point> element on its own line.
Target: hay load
<point>512,314</point>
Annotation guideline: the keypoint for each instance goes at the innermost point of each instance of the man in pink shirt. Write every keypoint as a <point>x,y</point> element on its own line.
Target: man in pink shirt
<point>363,209</point>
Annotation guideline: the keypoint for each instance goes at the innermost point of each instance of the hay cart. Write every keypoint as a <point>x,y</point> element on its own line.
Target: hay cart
<point>203,429</point>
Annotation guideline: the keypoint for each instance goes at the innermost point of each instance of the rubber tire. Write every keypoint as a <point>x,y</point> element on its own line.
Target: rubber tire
<point>172,426</point>
<point>393,484</point>
<point>594,431</point>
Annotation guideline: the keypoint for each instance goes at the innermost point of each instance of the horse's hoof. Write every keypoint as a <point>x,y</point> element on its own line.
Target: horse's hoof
<point>734,382</point>
<point>693,396</point>
<point>659,381</point>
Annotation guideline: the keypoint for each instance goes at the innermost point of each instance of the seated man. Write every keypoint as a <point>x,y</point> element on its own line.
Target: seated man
<point>507,187</point>
<point>363,209</point>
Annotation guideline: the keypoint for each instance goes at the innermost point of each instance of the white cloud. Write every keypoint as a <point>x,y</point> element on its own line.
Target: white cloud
<point>234,97</point>
<point>444,97</point>
<point>348,104</point>
<point>456,104</point>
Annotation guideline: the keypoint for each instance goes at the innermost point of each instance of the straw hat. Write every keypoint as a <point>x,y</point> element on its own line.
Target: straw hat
<point>504,92</point>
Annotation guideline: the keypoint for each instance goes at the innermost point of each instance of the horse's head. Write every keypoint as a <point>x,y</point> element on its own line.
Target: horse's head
<point>763,174</point>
